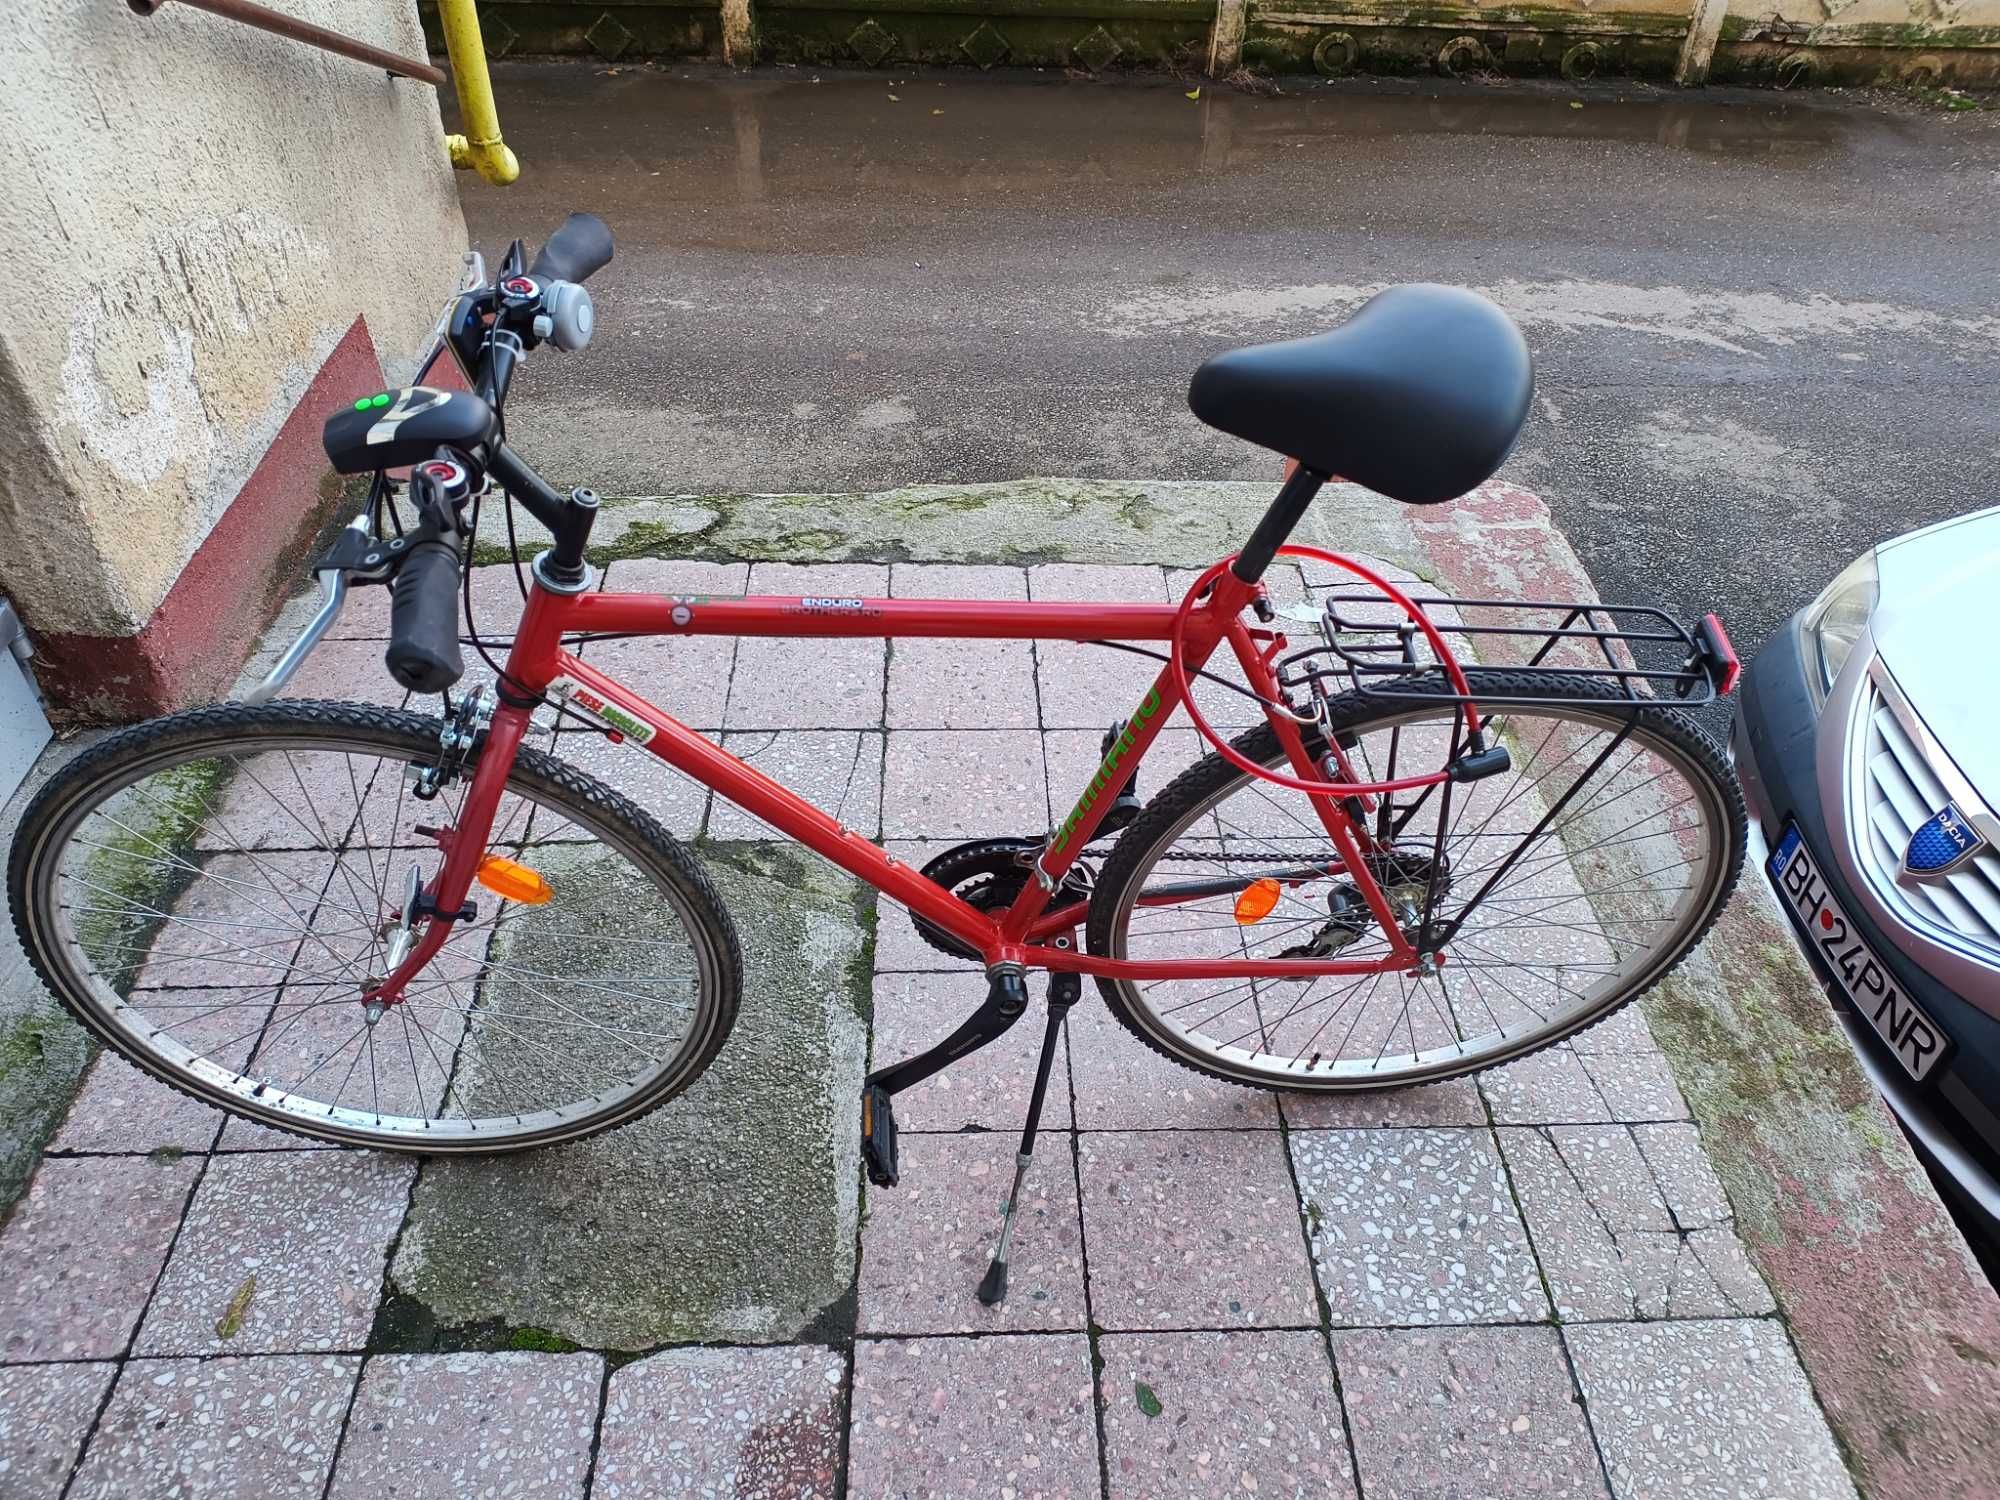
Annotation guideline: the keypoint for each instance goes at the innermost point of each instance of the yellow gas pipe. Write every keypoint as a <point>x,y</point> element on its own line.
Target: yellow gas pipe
<point>480,147</point>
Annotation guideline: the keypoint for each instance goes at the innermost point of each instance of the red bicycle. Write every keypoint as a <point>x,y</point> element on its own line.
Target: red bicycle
<point>1464,830</point>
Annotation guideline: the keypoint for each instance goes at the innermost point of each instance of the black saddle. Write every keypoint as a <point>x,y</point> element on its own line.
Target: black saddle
<point>1420,395</point>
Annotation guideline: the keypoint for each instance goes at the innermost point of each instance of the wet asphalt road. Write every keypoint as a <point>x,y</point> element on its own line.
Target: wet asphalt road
<point>1767,327</point>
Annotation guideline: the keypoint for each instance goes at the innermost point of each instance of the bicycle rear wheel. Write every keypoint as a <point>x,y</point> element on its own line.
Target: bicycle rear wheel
<point>1578,878</point>
<point>213,892</point>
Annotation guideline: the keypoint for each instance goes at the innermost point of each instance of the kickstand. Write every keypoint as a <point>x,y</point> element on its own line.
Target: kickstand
<point>1064,991</point>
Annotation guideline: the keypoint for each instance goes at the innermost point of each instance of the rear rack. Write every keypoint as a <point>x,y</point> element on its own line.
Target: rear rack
<point>1642,650</point>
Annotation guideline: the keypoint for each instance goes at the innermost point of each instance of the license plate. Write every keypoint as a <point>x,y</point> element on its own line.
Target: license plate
<point>1917,1041</point>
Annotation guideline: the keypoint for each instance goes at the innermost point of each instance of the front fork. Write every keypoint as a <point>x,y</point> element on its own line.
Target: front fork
<point>463,846</point>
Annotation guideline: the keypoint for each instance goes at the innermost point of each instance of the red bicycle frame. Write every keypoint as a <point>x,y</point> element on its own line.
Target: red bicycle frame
<point>1029,932</point>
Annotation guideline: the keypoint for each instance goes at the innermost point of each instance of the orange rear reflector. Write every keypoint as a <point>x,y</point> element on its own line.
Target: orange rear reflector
<point>1258,900</point>
<point>513,882</point>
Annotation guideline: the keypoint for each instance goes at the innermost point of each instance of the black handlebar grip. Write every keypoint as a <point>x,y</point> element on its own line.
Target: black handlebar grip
<point>423,620</point>
<point>579,248</point>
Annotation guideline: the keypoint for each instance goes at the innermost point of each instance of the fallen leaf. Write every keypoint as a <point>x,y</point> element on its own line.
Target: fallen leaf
<point>231,1322</point>
<point>1141,1392</point>
<point>937,111</point>
<point>1196,94</point>
<point>1576,104</point>
<point>895,99</point>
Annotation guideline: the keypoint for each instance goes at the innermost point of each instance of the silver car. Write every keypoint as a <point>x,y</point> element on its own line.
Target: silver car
<point>1869,750</point>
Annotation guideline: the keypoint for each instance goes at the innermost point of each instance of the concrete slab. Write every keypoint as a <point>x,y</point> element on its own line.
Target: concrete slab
<point>46,1411</point>
<point>1706,1411</point>
<point>729,1213</point>
<point>990,1088</point>
<point>120,1109</point>
<point>471,1427</point>
<point>1122,1084</point>
<point>760,1424</point>
<point>1193,1228</point>
<point>1608,1246</point>
<point>1467,1411</point>
<point>838,771</point>
<point>1453,1102</point>
<point>282,1252</point>
<point>1199,1414</point>
<point>1415,1227</point>
<point>928,1240</point>
<point>953,1419</point>
<point>981,783</point>
<point>224,1429</point>
<point>81,1252</point>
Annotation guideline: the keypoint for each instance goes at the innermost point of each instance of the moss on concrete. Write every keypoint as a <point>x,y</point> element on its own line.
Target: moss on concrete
<point>1018,523</point>
<point>728,1214</point>
<point>142,862</point>
<point>42,1057</point>
<point>1751,1041</point>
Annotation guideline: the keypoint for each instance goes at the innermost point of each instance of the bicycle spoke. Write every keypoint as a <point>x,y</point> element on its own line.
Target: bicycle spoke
<point>237,907</point>
<point>1551,883</point>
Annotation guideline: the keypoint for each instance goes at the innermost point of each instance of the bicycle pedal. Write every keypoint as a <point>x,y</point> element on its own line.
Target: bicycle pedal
<point>878,1135</point>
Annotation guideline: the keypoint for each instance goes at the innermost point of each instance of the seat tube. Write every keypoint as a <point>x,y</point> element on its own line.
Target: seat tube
<point>1278,523</point>
<point>1350,837</point>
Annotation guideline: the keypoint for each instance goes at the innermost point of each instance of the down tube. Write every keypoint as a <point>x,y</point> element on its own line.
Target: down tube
<point>786,811</point>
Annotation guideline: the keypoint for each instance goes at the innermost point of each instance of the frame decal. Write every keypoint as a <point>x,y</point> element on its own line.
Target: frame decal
<point>1107,770</point>
<point>610,715</point>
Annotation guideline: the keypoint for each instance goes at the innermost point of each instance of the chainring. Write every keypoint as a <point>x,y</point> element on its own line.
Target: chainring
<point>987,874</point>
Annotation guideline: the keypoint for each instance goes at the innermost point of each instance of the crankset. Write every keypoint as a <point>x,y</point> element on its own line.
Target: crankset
<point>988,874</point>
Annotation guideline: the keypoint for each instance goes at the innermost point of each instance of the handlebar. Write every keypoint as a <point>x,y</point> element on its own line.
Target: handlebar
<point>576,251</point>
<point>423,619</point>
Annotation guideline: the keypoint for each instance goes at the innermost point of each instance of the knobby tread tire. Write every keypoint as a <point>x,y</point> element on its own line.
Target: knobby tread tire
<point>1354,711</point>
<point>215,725</point>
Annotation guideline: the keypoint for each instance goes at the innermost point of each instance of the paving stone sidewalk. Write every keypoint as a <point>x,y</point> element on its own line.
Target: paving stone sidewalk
<point>1528,1285</point>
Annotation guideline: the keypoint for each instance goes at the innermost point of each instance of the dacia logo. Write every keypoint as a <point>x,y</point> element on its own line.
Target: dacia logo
<point>1942,843</point>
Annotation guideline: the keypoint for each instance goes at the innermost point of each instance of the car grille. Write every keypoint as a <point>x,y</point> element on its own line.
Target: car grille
<point>1901,795</point>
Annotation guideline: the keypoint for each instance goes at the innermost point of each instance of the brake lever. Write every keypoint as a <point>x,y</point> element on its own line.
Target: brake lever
<point>333,594</point>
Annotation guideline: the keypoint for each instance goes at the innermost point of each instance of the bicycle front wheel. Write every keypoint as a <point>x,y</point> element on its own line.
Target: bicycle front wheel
<point>213,893</point>
<point>1569,884</point>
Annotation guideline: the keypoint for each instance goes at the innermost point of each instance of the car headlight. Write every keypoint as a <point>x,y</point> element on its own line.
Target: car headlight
<point>1835,620</point>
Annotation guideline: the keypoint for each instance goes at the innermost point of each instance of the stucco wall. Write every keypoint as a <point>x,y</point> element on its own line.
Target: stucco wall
<point>192,216</point>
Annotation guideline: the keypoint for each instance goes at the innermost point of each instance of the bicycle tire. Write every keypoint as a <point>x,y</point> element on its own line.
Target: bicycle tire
<point>60,807</point>
<point>1350,717</point>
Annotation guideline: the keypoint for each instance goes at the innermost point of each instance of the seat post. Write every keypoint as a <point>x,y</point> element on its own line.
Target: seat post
<point>1277,524</point>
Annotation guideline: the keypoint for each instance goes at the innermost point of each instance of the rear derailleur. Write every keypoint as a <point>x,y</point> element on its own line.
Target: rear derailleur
<point>1407,878</point>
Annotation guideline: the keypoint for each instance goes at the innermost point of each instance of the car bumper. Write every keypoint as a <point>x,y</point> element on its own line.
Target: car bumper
<point>1774,745</point>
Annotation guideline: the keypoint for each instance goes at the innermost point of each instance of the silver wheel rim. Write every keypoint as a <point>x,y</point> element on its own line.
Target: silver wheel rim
<point>521,996</point>
<point>1624,876</point>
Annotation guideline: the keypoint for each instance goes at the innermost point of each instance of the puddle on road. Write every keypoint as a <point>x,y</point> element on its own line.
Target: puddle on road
<point>716,140</point>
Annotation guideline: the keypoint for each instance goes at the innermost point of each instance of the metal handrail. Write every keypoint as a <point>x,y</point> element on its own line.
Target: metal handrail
<point>304,31</point>
<point>480,147</point>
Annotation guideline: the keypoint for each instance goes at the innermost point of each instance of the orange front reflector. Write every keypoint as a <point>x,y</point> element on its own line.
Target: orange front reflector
<point>513,882</point>
<point>1258,900</point>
